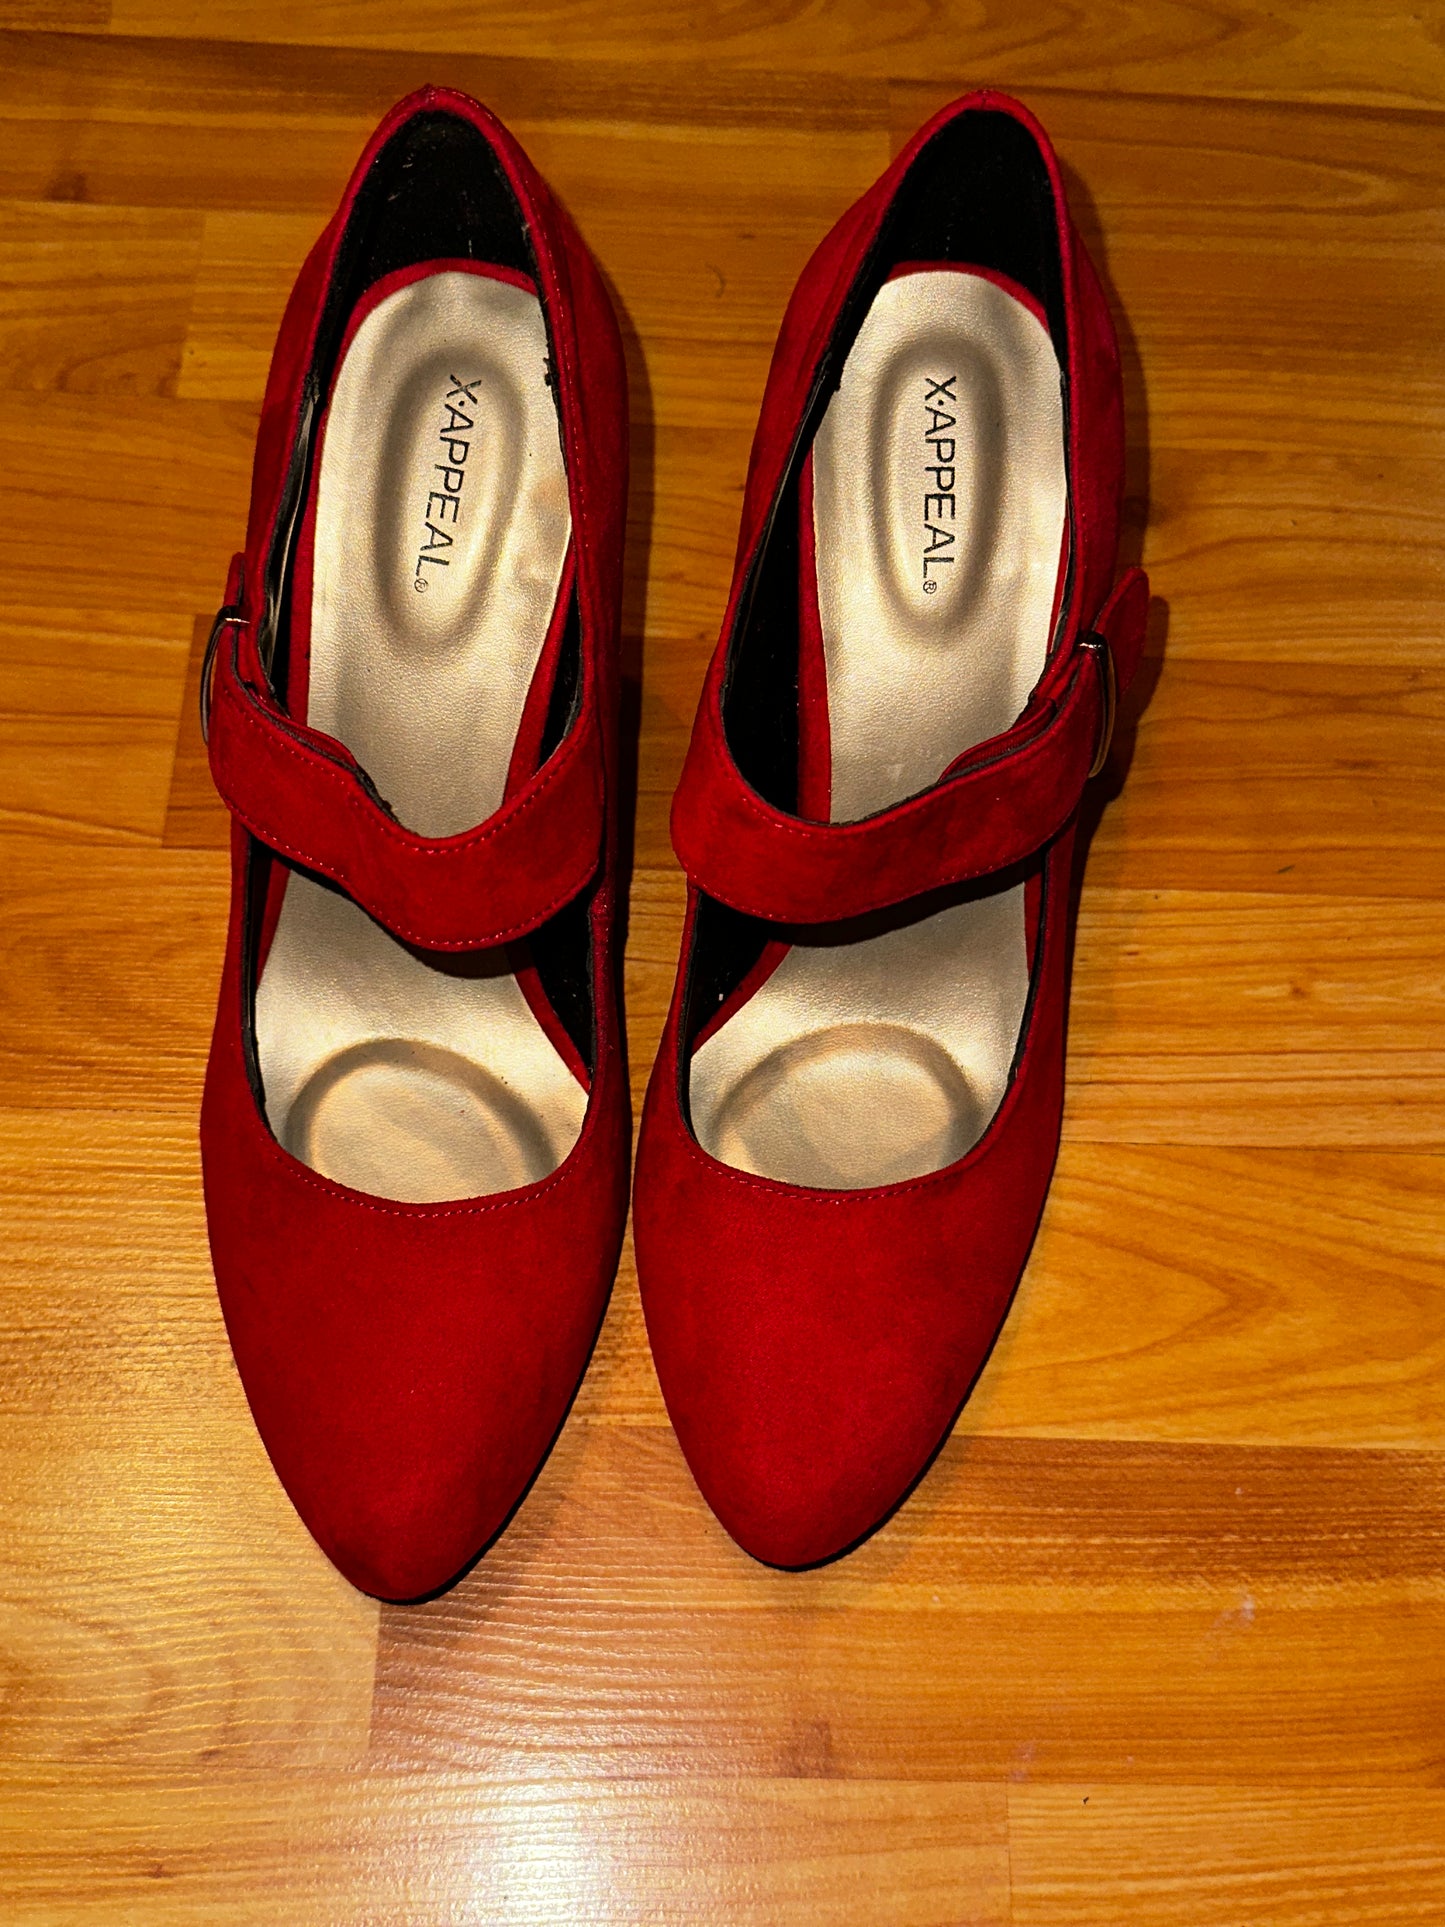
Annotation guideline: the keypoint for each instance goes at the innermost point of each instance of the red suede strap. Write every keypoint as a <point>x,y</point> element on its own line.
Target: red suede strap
<point>999,803</point>
<point>305,795</point>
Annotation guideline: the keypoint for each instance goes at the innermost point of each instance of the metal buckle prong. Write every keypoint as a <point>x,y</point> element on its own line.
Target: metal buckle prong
<point>1098,646</point>
<point>225,616</point>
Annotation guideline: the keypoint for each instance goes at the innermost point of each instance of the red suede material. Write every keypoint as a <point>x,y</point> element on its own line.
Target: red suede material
<point>997,805</point>
<point>301,792</point>
<point>407,1364</point>
<point>814,1347</point>
<point>1123,623</point>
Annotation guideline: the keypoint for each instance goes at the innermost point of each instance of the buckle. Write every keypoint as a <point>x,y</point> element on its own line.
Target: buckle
<point>1104,656</point>
<point>225,616</point>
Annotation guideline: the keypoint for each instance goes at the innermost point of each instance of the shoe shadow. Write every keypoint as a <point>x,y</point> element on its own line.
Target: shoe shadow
<point>1137,463</point>
<point>1131,367</point>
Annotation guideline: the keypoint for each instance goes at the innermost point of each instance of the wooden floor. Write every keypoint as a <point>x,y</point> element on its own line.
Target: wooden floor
<point>1161,1639</point>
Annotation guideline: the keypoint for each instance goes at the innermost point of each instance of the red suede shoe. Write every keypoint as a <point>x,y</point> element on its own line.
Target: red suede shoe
<point>415,1127</point>
<point>851,1127</point>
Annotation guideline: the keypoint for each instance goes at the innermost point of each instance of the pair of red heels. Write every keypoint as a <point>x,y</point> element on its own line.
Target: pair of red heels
<point>415,1131</point>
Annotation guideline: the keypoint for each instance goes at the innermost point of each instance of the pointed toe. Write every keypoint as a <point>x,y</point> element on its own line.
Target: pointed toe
<point>407,1367</point>
<point>814,1348</point>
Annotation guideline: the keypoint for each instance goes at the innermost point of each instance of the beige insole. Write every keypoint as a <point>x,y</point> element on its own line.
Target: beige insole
<point>878,1053</point>
<point>441,532</point>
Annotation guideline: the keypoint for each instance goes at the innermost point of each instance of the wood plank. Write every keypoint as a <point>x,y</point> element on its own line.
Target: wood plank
<point>654,937</point>
<point>1229,345</point>
<point>88,726</point>
<point>159,1601</point>
<point>1289,558</point>
<point>198,123</point>
<point>1278,777</point>
<point>105,1278</point>
<point>436,1850</point>
<point>1273,1099</point>
<point>1205,1857</point>
<point>1160,971</point>
<point>1325,1012</point>
<point>91,119</point>
<point>71,15</point>
<point>176,477</point>
<point>333,1850</point>
<point>108,976</point>
<point>1264,355</point>
<point>1232,1019</point>
<point>1380,53</point>
<point>1279,1297</point>
<point>247,265</point>
<point>1038,1611</point>
<point>94,300</point>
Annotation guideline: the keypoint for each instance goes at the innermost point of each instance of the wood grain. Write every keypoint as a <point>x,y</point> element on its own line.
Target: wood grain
<point>1240,1019</point>
<point>88,724</point>
<point>108,962</point>
<point>71,14</point>
<point>1160,1636</point>
<point>196,818</point>
<point>1211,1859</point>
<point>1270,776</point>
<point>172,471</point>
<point>158,1602</point>
<point>93,300</point>
<point>1378,53</point>
<point>433,1851</point>
<point>1191,1293</point>
<point>247,265</point>
<point>1040,1611</point>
